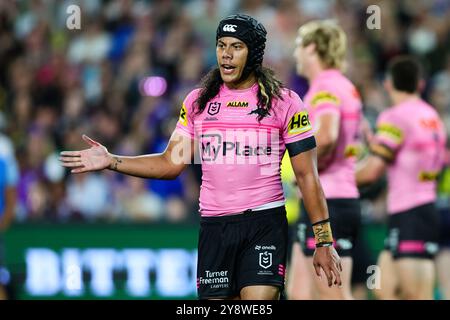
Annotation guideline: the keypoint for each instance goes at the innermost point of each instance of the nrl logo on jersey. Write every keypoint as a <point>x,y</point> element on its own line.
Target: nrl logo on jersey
<point>213,108</point>
<point>237,104</point>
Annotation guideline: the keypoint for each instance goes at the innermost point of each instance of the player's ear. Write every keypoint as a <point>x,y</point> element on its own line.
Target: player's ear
<point>310,48</point>
<point>421,85</point>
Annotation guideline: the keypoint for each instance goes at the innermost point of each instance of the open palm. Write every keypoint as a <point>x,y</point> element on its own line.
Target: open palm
<point>95,158</point>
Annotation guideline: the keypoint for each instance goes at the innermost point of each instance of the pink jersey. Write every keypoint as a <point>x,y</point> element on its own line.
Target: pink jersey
<point>414,137</point>
<point>240,157</point>
<point>331,92</point>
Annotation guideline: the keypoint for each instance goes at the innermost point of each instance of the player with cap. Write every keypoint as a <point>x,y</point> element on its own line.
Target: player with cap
<point>242,120</point>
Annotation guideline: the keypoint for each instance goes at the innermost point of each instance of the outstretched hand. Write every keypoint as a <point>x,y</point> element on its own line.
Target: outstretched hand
<point>95,158</point>
<point>330,262</point>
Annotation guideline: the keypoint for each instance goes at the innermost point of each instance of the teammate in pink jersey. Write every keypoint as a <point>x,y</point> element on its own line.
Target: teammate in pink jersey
<point>242,120</point>
<point>410,145</point>
<point>334,106</point>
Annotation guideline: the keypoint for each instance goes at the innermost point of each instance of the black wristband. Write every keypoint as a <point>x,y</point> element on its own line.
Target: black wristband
<point>324,244</point>
<point>320,222</point>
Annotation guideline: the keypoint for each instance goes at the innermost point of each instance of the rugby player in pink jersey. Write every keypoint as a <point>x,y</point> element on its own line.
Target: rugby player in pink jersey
<point>410,145</point>
<point>334,106</point>
<point>242,121</point>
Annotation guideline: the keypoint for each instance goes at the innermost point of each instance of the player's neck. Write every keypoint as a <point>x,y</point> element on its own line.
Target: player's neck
<point>399,97</point>
<point>242,85</point>
<point>314,71</point>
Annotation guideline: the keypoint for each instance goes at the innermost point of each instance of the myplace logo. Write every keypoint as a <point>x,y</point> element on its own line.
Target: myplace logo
<point>211,144</point>
<point>234,146</point>
<point>229,28</point>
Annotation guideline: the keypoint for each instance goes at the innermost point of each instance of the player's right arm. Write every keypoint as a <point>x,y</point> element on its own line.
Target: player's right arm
<point>326,105</point>
<point>166,165</point>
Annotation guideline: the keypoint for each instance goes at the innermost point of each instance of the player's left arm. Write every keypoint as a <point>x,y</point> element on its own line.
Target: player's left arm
<point>326,258</point>
<point>301,145</point>
<point>307,177</point>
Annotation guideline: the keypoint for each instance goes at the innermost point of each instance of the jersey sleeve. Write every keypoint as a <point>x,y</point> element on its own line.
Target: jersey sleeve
<point>185,124</point>
<point>325,99</point>
<point>296,128</point>
<point>389,136</point>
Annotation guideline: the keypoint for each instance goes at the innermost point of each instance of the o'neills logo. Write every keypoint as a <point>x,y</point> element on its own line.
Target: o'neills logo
<point>237,104</point>
<point>272,247</point>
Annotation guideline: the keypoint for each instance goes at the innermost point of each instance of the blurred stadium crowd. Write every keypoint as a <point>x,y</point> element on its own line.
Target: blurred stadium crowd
<point>122,77</point>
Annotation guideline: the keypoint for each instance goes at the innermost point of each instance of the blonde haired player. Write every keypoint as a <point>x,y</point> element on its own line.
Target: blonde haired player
<point>334,107</point>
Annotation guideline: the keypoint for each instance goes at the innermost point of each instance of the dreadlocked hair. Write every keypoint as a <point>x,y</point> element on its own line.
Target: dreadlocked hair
<point>269,88</point>
<point>210,84</point>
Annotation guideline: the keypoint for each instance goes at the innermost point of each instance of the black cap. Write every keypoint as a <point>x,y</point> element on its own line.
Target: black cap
<point>249,31</point>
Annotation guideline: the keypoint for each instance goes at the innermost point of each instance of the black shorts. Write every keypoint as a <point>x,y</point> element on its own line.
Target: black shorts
<point>414,233</point>
<point>444,235</point>
<point>345,219</point>
<point>241,250</point>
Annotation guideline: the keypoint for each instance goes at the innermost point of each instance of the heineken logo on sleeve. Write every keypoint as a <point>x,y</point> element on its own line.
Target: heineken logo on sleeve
<point>299,123</point>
